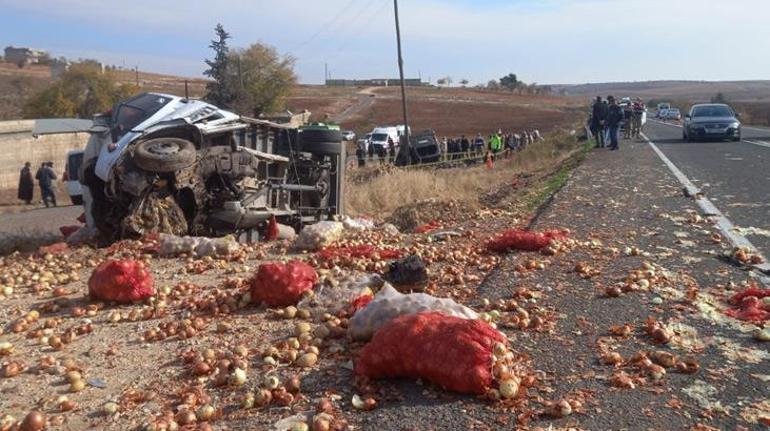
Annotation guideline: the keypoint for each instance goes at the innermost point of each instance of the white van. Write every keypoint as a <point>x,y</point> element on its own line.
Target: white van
<point>72,178</point>
<point>381,137</point>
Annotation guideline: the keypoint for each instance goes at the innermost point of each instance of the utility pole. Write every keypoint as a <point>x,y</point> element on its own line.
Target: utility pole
<point>326,72</point>
<point>186,91</point>
<point>406,147</point>
<point>136,70</point>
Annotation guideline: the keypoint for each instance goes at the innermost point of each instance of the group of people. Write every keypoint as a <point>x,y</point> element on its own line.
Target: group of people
<point>45,177</point>
<point>607,117</point>
<point>462,147</point>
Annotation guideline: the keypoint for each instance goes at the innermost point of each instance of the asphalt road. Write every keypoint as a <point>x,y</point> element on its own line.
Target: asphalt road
<point>735,176</point>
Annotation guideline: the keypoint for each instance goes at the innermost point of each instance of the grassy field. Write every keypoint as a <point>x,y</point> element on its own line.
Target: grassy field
<point>380,192</point>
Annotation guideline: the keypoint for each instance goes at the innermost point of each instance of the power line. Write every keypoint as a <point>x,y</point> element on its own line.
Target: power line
<point>325,26</point>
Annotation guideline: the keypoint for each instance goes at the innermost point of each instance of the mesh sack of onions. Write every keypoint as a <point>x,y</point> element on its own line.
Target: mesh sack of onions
<point>281,285</point>
<point>517,239</point>
<point>122,281</point>
<point>390,303</point>
<point>453,353</point>
<point>750,309</point>
<point>315,236</point>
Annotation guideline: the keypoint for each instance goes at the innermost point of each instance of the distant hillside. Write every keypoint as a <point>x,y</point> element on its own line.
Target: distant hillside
<point>18,84</point>
<point>696,91</point>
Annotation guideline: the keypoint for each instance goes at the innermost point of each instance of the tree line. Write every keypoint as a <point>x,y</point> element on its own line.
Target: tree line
<point>509,82</point>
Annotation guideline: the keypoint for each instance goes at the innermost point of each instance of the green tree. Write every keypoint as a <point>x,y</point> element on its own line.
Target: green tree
<point>262,79</point>
<point>219,91</point>
<point>510,81</point>
<point>82,91</point>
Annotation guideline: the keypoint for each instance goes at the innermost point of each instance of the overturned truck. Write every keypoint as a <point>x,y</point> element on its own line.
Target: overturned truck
<point>161,163</point>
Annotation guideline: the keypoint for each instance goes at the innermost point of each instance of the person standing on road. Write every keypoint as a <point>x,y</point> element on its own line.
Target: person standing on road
<point>598,117</point>
<point>465,144</point>
<point>45,177</point>
<point>495,144</point>
<point>628,116</point>
<point>26,184</point>
<point>444,148</point>
<point>638,109</point>
<point>614,118</point>
<point>478,145</point>
<point>361,153</point>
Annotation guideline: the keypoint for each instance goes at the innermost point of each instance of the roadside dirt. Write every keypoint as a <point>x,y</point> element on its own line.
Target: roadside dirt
<point>624,211</point>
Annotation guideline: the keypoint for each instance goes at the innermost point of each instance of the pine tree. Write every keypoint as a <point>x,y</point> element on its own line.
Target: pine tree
<point>218,92</point>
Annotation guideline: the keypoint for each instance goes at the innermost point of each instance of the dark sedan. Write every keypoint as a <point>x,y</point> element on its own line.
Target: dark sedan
<point>711,121</point>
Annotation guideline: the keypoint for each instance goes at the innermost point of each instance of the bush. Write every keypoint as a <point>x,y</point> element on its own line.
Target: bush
<point>82,91</point>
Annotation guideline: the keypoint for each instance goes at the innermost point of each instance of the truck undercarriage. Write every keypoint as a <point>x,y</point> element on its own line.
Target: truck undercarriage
<point>201,179</point>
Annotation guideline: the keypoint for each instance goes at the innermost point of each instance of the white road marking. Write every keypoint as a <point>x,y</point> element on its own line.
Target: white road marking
<point>748,141</point>
<point>760,143</point>
<point>725,226</point>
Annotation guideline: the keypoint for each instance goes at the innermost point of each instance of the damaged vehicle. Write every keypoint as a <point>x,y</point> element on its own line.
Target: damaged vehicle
<point>162,163</point>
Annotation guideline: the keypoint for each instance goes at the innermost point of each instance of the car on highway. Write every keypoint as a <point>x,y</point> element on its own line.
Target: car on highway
<point>663,107</point>
<point>348,135</point>
<point>711,121</point>
<point>673,114</point>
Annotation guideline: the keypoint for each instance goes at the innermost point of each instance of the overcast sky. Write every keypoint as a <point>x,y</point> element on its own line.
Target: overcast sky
<point>544,41</point>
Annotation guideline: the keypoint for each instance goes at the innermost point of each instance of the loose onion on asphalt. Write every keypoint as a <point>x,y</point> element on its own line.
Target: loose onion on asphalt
<point>34,421</point>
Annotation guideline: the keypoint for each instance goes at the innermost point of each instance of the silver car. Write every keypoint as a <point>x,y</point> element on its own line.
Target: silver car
<point>711,121</point>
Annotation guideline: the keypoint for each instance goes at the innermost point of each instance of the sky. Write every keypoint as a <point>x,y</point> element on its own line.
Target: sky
<point>543,41</point>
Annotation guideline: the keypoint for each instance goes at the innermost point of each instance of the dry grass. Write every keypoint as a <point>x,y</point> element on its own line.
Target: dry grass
<point>381,194</point>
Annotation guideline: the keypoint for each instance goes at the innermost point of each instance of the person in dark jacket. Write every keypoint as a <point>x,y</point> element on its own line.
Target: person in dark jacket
<point>614,118</point>
<point>628,117</point>
<point>45,177</point>
<point>26,184</point>
<point>598,119</point>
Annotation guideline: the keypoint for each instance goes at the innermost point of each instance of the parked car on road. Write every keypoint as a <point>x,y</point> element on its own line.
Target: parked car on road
<point>711,121</point>
<point>348,135</point>
<point>381,137</point>
<point>673,114</point>
<point>424,148</point>
<point>662,109</point>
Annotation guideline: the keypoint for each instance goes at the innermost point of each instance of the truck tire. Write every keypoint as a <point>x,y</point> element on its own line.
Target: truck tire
<point>164,154</point>
<point>320,141</point>
<point>320,135</point>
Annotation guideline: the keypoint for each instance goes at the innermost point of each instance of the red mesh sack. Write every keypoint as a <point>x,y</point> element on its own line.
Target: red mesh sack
<point>67,231</point>
<point>272,229</point>
<point>360,303</point>
<point>430,226</point>
<point>750,309</point>
<point>121,281</point>
<point>517,239</point>
<point>450,352</point>
<point>752,291</point>
<point>281,285</point>
<point>56,248</point>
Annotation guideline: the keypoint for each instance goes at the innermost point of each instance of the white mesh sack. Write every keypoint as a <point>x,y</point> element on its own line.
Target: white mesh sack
<point>389,304</point>
<point>317,235</point>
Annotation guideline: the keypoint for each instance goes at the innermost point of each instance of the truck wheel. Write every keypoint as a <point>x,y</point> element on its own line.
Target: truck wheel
<point>164,154</point>
<point>320,141</point>
<point>320,135</point>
